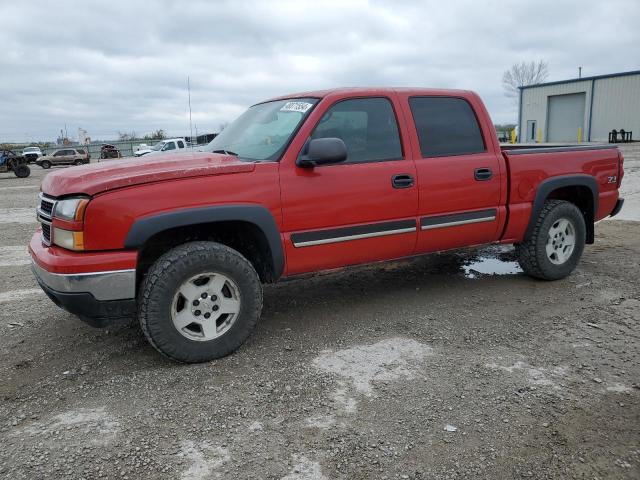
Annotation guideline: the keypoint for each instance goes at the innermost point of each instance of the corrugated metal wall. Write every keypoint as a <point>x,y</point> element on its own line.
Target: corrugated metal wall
<point>535,103</point>
<point>616,105</point>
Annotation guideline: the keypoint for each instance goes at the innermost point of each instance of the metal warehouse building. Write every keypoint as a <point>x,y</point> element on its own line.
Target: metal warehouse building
<point>582,109</point>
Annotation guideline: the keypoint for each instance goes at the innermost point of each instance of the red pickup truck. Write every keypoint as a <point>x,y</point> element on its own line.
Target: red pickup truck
<point>303,183</point>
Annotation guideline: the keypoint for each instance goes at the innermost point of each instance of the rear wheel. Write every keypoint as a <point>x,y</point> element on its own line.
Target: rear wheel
<point>78,162</point>
<point>199,301</point>
<point>22,171</point>
<point>46,164</point>
<point>556,243</point>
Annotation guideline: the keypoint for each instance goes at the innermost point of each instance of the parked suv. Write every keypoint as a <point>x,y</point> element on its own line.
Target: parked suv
<point>64,156</point>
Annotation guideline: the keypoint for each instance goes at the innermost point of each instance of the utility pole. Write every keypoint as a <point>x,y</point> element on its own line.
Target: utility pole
<point>579,72</point>
<point>190,124</point>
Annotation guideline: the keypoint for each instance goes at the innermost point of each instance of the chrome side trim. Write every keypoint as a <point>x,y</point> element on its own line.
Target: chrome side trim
<point>112,285</point>
<point>353,237</point>
<point>458,222</point>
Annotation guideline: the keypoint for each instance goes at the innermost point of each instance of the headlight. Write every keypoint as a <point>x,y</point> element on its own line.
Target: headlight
<point>69,236</point>
<point>71,209</point>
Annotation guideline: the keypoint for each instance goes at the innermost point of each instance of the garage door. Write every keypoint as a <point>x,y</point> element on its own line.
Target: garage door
<point>565,117</point>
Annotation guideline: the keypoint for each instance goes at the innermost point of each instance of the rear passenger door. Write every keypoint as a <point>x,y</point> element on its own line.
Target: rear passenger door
<point>459,174</point>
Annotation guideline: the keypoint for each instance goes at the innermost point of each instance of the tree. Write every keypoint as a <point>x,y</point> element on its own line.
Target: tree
<point>127,136</point>
<point>157,135</point>
<point>523,74</point>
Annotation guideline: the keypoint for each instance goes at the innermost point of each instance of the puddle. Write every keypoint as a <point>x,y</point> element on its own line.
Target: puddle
<point>491,261</point>
<point>490,266</point>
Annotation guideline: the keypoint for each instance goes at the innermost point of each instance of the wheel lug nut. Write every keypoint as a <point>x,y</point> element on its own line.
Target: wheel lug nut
<point>214,297</point>
<point>207,315</point>
<point>215,308</point>
<point>196,303</point>
<point>204,295</point>
<point>197,313</point>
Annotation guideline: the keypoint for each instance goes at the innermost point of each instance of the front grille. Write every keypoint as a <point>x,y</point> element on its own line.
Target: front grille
<point>45,217</point>
<point>46,233</point>
<point>46,205</point>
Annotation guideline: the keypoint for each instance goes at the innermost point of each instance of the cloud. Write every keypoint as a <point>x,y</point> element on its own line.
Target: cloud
<point>121,65</point>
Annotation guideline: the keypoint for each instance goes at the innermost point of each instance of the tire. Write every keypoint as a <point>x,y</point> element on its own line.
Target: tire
<point>161,300</point>
<point>78,162</point>
<point>46,164</point>
<point>22,171</point>
<point>547,255</point>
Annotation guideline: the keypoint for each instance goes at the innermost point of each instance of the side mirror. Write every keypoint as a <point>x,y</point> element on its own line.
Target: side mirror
<point>322,151</point>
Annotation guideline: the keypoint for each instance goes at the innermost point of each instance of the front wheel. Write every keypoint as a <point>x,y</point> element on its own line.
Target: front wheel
<point>45,164</point>
<point>556,243</point>
<point>199,301</point>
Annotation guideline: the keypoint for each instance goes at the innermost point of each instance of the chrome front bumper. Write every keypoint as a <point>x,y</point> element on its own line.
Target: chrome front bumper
<point>103,286</point>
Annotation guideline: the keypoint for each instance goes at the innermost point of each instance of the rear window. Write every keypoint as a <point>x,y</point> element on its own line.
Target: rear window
<point>446,126</point>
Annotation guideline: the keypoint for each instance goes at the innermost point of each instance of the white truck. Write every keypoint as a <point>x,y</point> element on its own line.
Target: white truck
<point>31,153</point>
<point>163,146</point>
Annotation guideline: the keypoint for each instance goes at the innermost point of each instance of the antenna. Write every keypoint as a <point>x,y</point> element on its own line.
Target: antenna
<point>190,124</point>
<point>579,72</point>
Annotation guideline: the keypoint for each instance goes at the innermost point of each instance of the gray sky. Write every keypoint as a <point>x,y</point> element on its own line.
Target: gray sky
<point>116,65</point>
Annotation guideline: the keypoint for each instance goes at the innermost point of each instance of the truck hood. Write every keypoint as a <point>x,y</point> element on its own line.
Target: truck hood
<point>96,178</point>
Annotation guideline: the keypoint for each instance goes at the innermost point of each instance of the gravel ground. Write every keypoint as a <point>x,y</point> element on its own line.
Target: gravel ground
<point>424,369</point>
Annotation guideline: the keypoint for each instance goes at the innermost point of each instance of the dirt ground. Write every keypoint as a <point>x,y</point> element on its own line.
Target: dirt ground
<point>424,369</point>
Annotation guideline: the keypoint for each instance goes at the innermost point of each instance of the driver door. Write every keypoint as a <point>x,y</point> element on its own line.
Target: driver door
<point>358,211</point>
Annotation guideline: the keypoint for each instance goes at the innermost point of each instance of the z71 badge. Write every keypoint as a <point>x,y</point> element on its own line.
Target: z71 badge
<point>612,179</point>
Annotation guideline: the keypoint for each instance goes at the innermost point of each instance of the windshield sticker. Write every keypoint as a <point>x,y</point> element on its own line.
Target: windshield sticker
<point>296,107</point>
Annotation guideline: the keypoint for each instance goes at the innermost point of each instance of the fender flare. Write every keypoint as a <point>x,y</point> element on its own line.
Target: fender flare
<point>145,228</point>
<point>549,185</point>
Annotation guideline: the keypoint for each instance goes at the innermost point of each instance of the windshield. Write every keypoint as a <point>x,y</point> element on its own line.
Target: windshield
<point>263,131</point>
<point>158,146</point>
<point>31,149</point>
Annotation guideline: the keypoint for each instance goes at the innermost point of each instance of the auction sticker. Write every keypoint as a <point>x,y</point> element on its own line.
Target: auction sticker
<point>296,107</point>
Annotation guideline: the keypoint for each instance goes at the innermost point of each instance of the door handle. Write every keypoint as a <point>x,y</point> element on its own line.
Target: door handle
<point>402,180</point>
<point>481,174</point>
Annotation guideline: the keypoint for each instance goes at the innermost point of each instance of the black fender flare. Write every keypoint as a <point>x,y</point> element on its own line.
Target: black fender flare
<point>146,227</point>
<point>550,184</point>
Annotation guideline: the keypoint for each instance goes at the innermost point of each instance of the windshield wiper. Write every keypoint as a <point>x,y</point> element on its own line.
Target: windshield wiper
<point>226,152</point>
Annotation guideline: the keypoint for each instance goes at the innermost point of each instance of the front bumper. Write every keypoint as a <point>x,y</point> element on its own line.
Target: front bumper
<point>98,297</point>
<point>97,313</point>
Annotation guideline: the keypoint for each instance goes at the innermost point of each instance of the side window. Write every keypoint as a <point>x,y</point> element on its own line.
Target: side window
<point>446,126</point>
<point>169,146</point>
<point>180,144</point>
<point>59,153</point>
<point>367,126</point>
